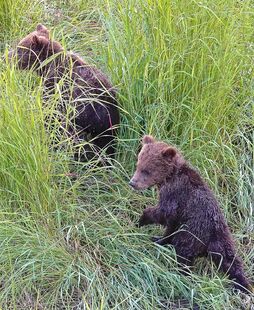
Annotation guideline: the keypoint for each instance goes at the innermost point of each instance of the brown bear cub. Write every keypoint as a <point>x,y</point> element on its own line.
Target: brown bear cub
<point>194,223</point>
<point>84,87</point>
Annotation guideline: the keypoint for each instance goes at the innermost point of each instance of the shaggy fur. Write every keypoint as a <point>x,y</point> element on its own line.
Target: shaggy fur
<point>84,87</point>
<point>194,223</point>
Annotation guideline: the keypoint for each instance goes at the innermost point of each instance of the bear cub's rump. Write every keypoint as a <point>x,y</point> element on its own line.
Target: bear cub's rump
<point>194,223</point>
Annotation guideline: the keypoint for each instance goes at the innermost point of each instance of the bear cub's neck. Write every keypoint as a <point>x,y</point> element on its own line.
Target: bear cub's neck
<point>60,65</point>
<point>182,172</point>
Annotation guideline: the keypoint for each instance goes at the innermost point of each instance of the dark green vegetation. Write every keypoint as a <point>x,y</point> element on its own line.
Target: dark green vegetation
<point>184,71</point>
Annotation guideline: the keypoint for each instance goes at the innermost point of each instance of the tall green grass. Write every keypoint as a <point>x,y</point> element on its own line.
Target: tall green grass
<point>68,239</point>
<point>16,15</point>
<point>182,66</point>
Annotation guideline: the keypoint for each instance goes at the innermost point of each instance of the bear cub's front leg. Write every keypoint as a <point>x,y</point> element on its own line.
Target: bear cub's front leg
<point>150,215</point>
<point>154,215</point>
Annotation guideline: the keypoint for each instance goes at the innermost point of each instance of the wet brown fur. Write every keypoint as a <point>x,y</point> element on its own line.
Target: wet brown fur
<point>194,222</point>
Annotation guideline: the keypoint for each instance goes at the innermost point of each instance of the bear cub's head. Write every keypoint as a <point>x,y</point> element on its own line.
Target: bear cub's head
<point>156,162</point>
<point>36,47</point>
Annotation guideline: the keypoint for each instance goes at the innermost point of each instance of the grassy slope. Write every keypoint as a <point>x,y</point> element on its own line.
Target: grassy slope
<point>183,73</point>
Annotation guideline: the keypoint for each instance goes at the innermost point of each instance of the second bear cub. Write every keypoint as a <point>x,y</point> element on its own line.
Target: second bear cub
<point>83,87</point>
<point>194,223</point>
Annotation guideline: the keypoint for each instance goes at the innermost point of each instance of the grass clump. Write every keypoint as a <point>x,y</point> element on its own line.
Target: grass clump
<point>183,73</point>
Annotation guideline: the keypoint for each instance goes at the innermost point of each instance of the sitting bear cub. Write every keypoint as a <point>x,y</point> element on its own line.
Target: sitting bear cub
<point>194,223</point>
<point>84,87</point>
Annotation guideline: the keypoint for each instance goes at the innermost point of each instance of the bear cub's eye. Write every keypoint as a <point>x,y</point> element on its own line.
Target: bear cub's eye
<point>146,172</point>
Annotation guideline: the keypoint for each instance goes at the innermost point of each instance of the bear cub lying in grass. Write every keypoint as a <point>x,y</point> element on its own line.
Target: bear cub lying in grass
<point>84,87</point>
<point>194,223</point>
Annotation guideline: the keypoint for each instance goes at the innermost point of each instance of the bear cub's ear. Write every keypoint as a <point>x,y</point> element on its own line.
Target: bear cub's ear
<point>39,40</point>
<point>148,139</point>
<point>42,30</point>
<point>169,152</point>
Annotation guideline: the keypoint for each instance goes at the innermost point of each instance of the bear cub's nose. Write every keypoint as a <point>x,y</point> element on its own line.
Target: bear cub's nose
<point>132,183</point>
